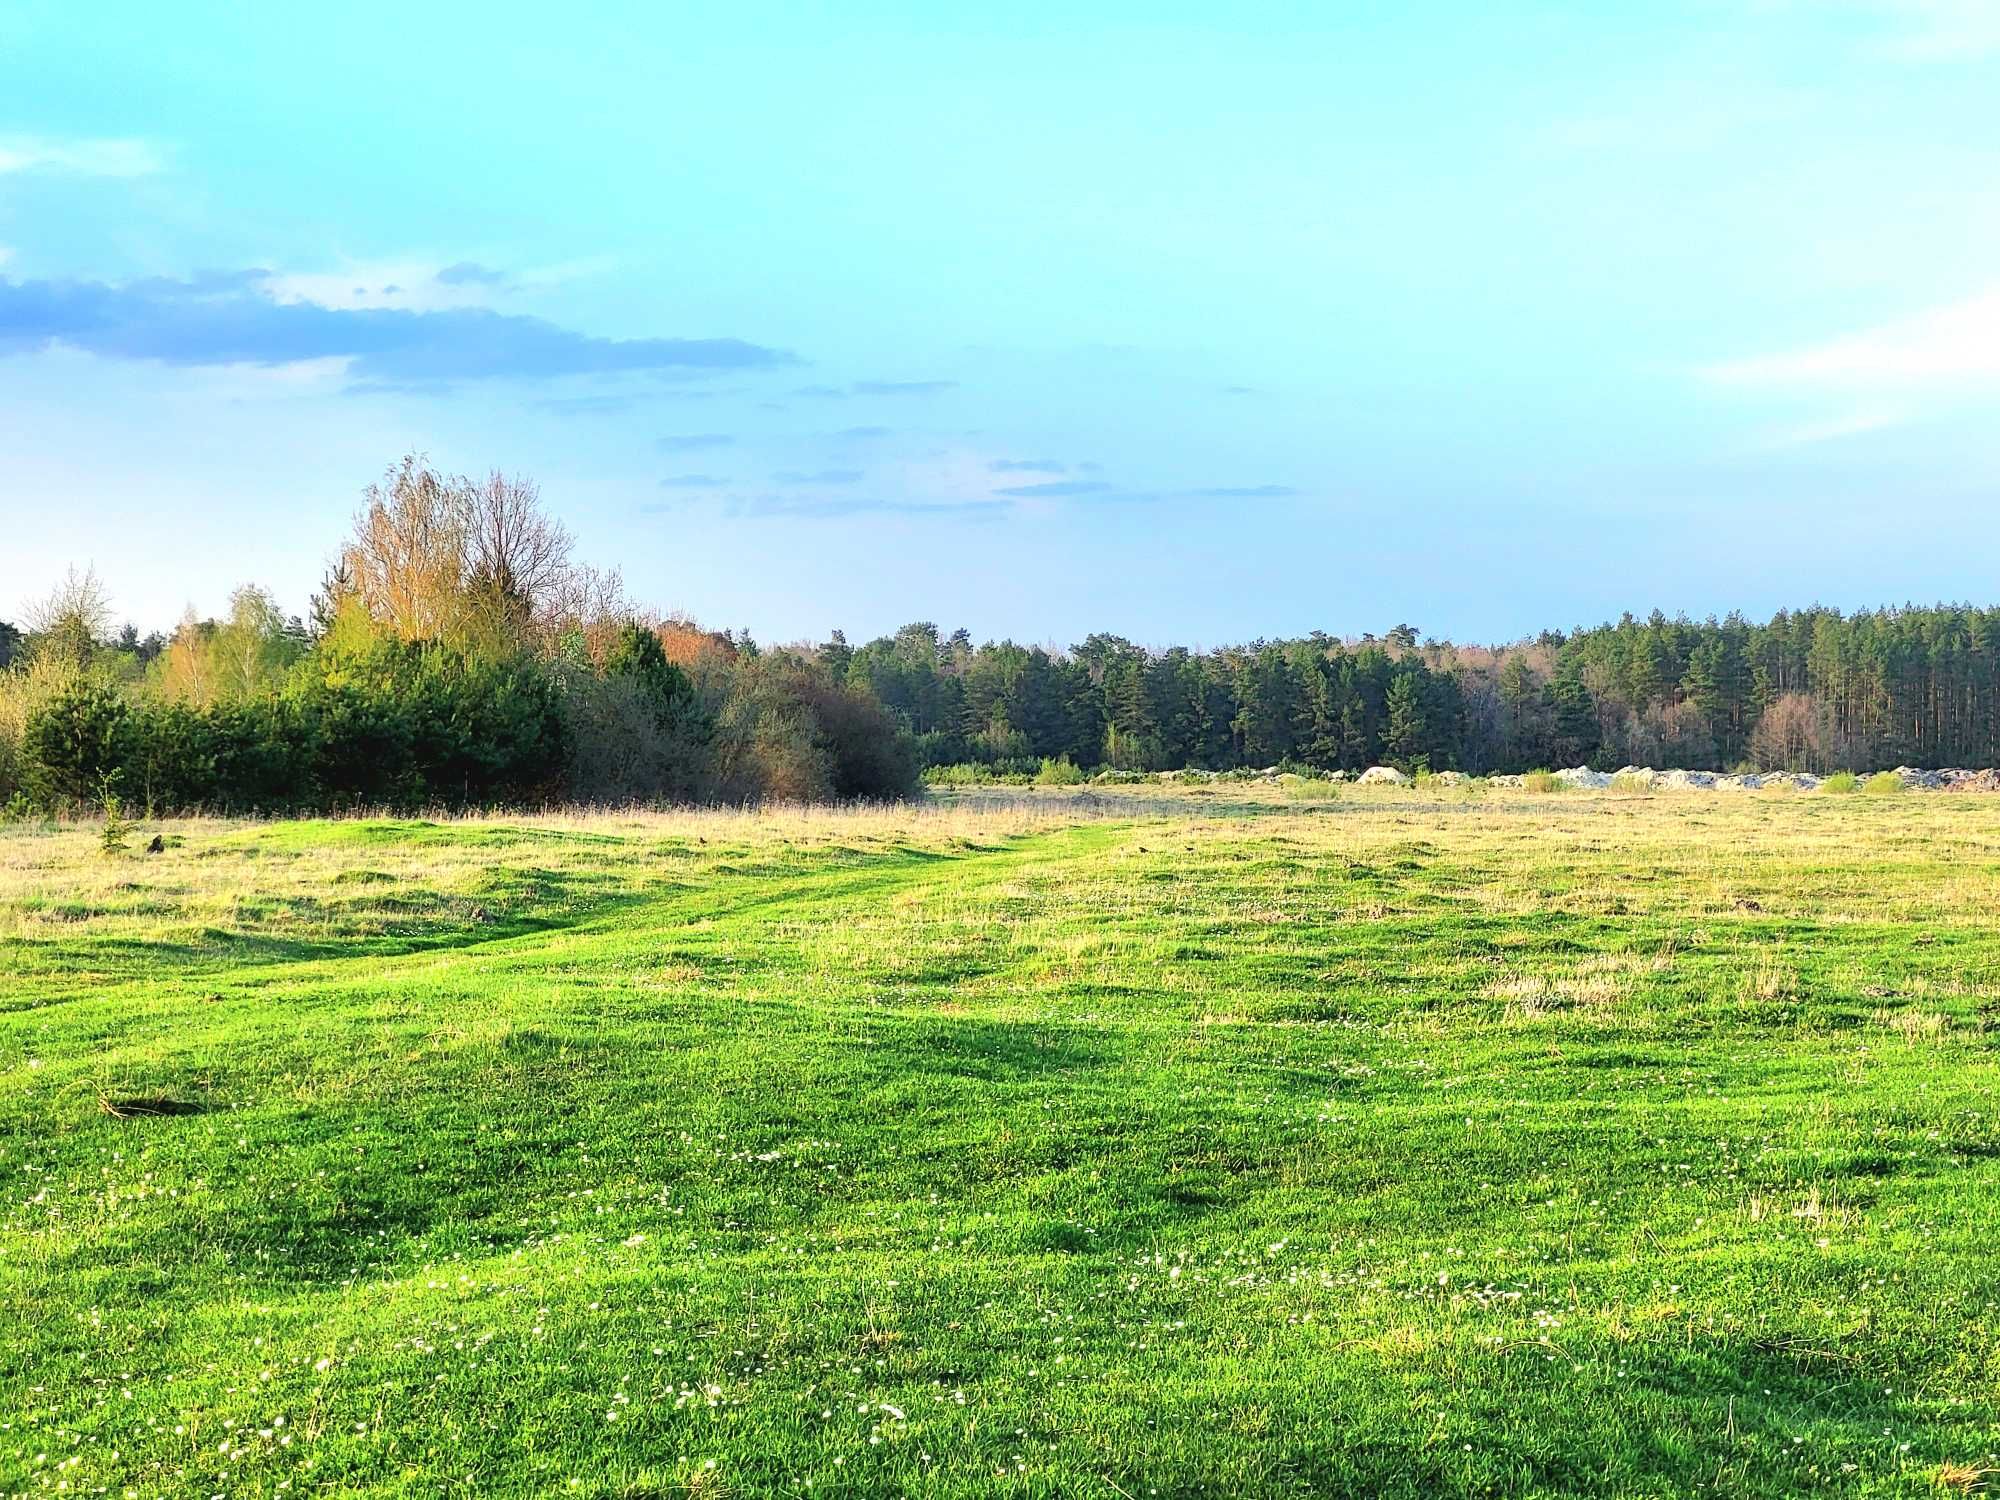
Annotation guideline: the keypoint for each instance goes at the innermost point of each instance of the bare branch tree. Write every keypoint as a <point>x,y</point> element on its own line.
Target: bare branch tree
<point>518,558</point>
<point>407,558</point>
<point>439,557</point>
<point>70,624</point>
<point>1787,737</point>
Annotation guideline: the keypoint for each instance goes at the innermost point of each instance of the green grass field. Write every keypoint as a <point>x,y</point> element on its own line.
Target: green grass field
<point>1206,1144</point>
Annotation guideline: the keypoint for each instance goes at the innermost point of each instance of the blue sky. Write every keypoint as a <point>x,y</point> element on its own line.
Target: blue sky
<point>1192,323</point>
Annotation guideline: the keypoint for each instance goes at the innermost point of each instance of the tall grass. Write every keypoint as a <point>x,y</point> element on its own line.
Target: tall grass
<point>1310,789</point>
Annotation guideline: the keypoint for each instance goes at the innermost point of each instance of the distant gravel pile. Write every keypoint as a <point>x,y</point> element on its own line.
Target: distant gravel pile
<point>1645,778</point>
<point>1631,778</point>
<point>1382,776</point>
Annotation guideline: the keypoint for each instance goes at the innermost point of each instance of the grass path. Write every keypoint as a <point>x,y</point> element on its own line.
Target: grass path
<point>1390,1150</point>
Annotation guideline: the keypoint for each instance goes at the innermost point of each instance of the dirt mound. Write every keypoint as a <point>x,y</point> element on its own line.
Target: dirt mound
<point>1973,781</point>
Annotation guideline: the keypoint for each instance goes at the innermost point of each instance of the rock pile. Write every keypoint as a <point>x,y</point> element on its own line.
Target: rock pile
<point>1585,777</point>
<point>1382,776</point>
<point>1645,778</point>
<point>1630,778</point>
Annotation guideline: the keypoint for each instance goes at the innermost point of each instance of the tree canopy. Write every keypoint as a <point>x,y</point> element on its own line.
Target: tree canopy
<point>458,653</point>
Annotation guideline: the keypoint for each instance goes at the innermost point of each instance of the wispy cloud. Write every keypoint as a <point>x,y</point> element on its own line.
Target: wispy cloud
<point>615,402</point>
<point>234,318</point>
<point>471,273</point>
<point>423,388</point>
<point>902,387</point>
<point>692,482</point>
<point>1027,466</point>
<point>1057,490</point>
<point>875,388</point>
<point>693,442</point>
<point>839,507</point>
<point>585,406</point>
<point>1246,492</point>
<point>818,476</point>
<point>1832,429</point>
<point>1943,30</point>
<point>406,283</point>
<point>1925,31</point>
<point>424,283</point>
<point>79,158</point>
<point>1951,346</point>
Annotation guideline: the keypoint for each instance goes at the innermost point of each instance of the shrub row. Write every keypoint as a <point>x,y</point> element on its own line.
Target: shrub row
<point>405,725</point>
<point>398,727</point>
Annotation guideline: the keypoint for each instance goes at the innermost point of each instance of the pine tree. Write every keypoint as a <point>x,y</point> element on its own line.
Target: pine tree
<point>1701,684</point>
<point>1645,679</point>
<point>1576,735</point>
<point>1404,743</point>
<point>1519,731</point>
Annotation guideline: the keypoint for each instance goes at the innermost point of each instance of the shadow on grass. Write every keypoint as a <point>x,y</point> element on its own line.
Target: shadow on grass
<point>983,1051</point>
<point>1777,1415</point>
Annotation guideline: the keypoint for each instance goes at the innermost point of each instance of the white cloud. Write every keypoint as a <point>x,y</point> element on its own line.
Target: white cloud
<point>79,158</point>
<point>1946,30</point>
<point>1953,346</point>
<point>408,284</point>
<point>413,283</point>
<point>1832,429</point>
<point>1933,31</point>
<point>1676,116</point>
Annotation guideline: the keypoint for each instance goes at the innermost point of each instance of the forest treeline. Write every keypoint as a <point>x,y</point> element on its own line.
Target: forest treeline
<point>457,654</point>
<point>1812,689</point>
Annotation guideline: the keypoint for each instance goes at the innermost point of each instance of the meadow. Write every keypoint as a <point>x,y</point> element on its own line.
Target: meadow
<point>1237,1140</point>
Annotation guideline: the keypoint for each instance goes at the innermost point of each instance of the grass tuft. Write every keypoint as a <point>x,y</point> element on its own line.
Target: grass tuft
<point>1310,789</point>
